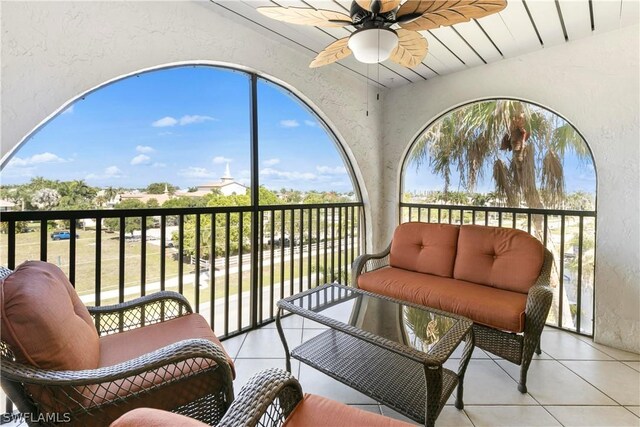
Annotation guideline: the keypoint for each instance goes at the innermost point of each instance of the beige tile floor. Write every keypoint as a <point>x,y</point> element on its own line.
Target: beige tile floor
<point>575,382</point>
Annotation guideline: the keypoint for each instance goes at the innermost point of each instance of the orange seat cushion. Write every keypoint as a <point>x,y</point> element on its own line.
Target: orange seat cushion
<point>147,417</point>
<point>117,348</point>
<point>503,258</point>
<point>44,321</point>
<point>497,308</point>
<point>425,248</point>
<point>318,411</point>
<point>128,345</point>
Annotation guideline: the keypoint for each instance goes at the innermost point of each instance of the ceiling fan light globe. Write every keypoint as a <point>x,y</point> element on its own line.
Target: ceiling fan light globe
<point>373,45</point>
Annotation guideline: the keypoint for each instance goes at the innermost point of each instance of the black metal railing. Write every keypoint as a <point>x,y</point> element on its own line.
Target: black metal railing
<point>568,234</point>
<point>232,263</point>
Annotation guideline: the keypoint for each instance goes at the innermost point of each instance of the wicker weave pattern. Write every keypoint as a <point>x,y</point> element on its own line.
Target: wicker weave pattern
<point>155,308</point>
<point>410,381</point>
<point>516,348</point>
<point>195,368</point>
<point>266,399</point>
<point>399,382</point>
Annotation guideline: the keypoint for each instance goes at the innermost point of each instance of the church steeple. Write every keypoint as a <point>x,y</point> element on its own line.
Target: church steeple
<point>227,174</point>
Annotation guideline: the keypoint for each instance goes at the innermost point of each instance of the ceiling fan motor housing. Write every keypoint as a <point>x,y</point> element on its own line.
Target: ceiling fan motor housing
<point>363,18</point>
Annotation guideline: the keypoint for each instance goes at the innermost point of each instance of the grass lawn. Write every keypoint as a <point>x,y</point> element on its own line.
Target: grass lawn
<point>28,247</point>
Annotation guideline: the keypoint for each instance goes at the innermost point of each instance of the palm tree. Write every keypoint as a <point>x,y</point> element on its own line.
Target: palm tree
<point>523,146</point>
<point>110,193</point>
<point>520,144</point>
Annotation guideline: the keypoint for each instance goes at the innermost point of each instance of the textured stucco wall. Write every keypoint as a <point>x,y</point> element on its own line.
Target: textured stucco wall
<point>594,84</point>
<point>52,52</point>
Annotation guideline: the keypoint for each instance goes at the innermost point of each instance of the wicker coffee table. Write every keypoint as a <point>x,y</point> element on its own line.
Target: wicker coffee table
<point>390,350</point>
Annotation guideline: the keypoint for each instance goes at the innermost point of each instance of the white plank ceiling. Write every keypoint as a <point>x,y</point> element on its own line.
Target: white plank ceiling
<point>524,26</point>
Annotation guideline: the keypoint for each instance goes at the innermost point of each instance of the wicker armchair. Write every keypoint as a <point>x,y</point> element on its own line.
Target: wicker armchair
<point>191,376</point>
<point>274,396</point>
<point>517,348</point>
<point>270,398</point>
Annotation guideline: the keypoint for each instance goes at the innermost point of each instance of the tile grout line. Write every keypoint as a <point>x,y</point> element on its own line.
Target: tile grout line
<point>629,410</point>
<point>589,382</point>
<point>529,394</point>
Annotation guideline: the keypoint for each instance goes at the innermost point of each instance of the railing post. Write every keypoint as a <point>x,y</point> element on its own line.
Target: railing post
<point>255,202</point>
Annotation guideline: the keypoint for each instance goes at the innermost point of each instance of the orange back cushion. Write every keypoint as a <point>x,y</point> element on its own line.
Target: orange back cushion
<point>44,321</point>
<point>504,258</point>
<point>424,248</point>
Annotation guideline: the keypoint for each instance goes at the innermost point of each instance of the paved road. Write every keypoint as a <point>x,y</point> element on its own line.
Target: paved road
<point>190,278</point>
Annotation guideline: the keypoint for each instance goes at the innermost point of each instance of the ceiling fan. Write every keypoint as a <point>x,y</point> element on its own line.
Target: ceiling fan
<point>374,39</point>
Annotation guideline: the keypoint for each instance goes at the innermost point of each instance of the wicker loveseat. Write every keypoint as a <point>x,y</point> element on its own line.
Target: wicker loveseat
<point>65,363</point>
<point>497,277</point>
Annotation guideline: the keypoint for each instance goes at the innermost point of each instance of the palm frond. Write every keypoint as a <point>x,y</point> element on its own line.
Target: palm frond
<point>552,179</point>
<point>503,183</point>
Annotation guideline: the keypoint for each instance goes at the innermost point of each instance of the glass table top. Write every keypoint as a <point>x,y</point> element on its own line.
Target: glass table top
<point>420,328</point>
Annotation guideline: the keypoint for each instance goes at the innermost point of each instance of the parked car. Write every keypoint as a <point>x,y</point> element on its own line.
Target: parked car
<point>62,235</point>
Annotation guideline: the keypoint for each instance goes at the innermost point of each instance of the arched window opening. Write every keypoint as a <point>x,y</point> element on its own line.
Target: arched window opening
<point>210,181</point>
<point>511,163</point>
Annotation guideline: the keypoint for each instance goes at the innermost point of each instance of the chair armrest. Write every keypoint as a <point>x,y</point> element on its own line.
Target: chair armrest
<point>146,310</point>
<point>171,354</point>
<point>272,393</point>
<point>369,262</point>
<point>538,303</point>
<point>80,391</point>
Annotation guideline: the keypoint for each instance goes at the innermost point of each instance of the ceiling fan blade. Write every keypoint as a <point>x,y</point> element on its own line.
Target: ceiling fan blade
<point>303,16</point>
<point>411,50</point>
<point>332,53</point>
<point>385,5</point>
<point>438,13</point>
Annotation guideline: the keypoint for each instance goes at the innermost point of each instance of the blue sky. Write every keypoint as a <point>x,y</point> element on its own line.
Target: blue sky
<point>182,125</point>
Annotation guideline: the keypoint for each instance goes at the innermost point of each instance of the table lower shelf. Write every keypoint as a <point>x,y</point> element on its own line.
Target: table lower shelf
<point>385,376</point>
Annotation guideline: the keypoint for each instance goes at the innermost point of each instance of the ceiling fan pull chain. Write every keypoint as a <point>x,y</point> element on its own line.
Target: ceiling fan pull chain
<point>366,88</point>
<point>378,78</point>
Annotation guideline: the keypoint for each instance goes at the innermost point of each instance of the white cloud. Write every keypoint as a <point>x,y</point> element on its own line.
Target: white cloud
<point>110,172</point>
<point>289,123</point>
<point>328,170</point>
<point>182,121</point>
<point>159,165</point>
<point>164,122</point>
<point>187,120</point>
<point>140,159</point>
<point>35,160</point>
<point>221,159</point>
<point>113,171</point>
<point>195,172</point>
<point>144,149</point>
<point>68,110</point>
<point>288,175</point>
<point>311,123</point>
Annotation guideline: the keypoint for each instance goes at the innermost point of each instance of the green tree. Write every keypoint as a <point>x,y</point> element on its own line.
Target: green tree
<point>130,223</point>
<point>159,188</point>
<point>110,193</point>
<point>266,197</point>
<point>152,203</point>
<point>185,202</point>
<point>76,195</point>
